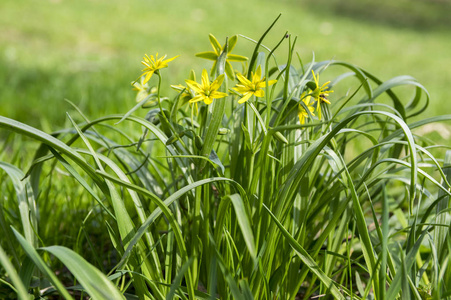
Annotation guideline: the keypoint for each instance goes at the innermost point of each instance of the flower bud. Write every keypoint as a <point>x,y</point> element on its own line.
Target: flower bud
<point>280,137</point>
<point>223,131</point>
<point>198,142</point>
<point>172,140</point>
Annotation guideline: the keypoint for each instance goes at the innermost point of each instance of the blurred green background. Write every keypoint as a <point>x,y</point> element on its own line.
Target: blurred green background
<point>89,51</point>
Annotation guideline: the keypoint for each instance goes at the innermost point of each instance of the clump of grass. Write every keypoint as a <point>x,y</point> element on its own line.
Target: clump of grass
<point>244,185</point>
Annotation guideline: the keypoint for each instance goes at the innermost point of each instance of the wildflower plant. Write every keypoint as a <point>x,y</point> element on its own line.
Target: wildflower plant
<point>319,93</point>
<point>259,195</point>
<point>154,64</point>
<point>206,91</point>
<point>305,108</point>
<point>253,87</point>
<point>218,50</point>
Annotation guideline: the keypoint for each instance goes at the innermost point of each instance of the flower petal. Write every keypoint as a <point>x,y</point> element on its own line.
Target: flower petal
<point>178,87</point>
<point>216,84</point>
<point>207,55</point>
<point>301,118</point>
<point>229,70</point>
<point>259,93</point>
<point>245,98</point>
<point>325,100</point>
<point>215,44</point>
<point>197,98</point>
<point>205,79</point>
<point>169,59</point>
<point>232,43</point>
<point>234,57</point>
<point>148,76</point>
<point>271,82</point>
<point>197,88</point>
<point>243,79</point>
<point>217,95</point>
<point>311,109</point>
<point>208,100</point>
<point>318,109</point>
<point>316,78</point>
<point>258,74</point>
<point>241,89</point>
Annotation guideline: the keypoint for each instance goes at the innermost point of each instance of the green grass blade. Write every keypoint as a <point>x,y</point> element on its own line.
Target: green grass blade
<point>125,224</point>
<point>441,218</point>
<point>133,238</point>
<point>289,188</point>
<point>39,262</point>
<point>244,222</point>
<point>25,200</point>
<point>255,52</point>
<point>362,228</point>
<point>26,271</point>
<point>163,206</point>
<point>81,180</point>
<point>307,259</point>
<point>21,291</point>
<point>178,279</point>
<point>97,285</point>
<point>409,260</point>
<point>52,142</point>
<point>359,73</point>
<point>7,236</point>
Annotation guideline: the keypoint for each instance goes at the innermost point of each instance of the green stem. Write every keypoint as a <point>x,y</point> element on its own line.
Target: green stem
<point>251,173</point>
<point>159,98</point>
<point>164,115</point>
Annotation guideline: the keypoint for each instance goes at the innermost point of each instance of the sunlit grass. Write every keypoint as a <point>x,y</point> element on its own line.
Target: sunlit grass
<point>86,51</point>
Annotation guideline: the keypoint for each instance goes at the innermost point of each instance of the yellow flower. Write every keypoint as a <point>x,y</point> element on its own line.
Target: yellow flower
<point>153,64</point>
<point>302,113</point>
<point>184,90</point>
<point>320,94</point>
<point>214,55</point>
<point>186,93</point>
<point>248,88</point>
<point>206,91</point>
<point>145,91</point>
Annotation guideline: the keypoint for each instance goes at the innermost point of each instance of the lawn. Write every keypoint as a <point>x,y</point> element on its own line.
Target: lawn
<point>90,51</point>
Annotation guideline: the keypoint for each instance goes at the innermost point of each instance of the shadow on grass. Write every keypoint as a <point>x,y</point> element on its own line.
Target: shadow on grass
<point>416,14</point>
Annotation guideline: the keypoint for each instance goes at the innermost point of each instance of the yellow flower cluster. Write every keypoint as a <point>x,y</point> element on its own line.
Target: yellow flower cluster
<point>153,64</point>
<point>252,87</point>
<point>207,90</point>
<point>318,96</point>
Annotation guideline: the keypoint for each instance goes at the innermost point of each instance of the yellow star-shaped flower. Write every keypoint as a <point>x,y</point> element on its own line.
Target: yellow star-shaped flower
<point>320,93</point>
<point>153,64</point>
<point>255,87</point>
<point>302,113</point>
<point>145,91</point>
<point>214,55</point>
<point>206,91</point>
<point>185,92</point>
